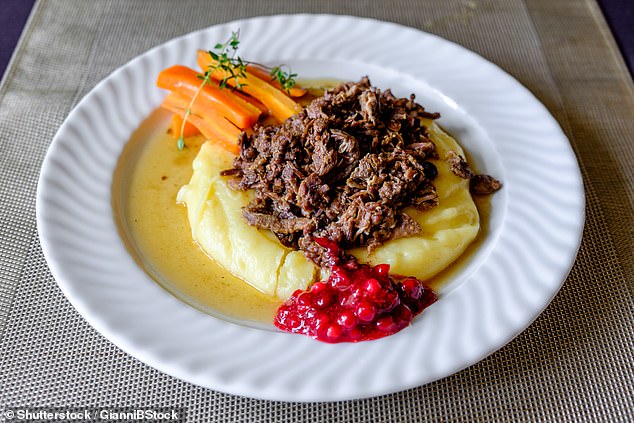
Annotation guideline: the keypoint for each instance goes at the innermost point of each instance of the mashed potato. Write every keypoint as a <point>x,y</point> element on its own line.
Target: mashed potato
<point>447,229</point>
<point>258,258</point>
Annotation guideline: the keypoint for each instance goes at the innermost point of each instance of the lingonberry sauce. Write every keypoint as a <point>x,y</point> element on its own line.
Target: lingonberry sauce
<point>358,302</point>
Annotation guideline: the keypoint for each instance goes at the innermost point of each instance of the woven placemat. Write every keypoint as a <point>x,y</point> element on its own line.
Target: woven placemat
<point>574,363</point>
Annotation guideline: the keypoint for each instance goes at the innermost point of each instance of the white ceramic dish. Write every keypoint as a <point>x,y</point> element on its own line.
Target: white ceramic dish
<point>535,224</point>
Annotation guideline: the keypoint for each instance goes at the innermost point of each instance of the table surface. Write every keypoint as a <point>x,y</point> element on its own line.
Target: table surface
<point>574,363</point>
<point>618,13</point>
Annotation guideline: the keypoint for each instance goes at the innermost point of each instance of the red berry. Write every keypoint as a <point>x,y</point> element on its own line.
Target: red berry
<point>357,293</point>
<point>305,300</point>
<point>347,319</point>
<point>323,299</point>
<point>390,300</point>
<point>412,288</point>
<point>330,246</point>
<point>344,300</point>
<point>428,298</point>
<point>382,269</point>
<point>372,287</point>
<point>334,332</point>
<point>355,333</point>
<point>321,321</point>
<point>351,265</point>
<point>293,322</point>
<point>365,311</point>
<point>317,287</point>
<point>339,278</point>
<point>403,315</point>
<point>386,324</point>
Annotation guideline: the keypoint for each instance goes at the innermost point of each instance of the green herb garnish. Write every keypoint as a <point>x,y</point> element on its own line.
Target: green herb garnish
<point>226,60</point>
<point>285,78</point>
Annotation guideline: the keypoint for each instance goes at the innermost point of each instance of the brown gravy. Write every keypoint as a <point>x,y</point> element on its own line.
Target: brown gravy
<point>155,228</point>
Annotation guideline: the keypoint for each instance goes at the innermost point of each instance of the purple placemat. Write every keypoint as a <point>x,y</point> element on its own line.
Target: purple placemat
<point>620,16</point>
<point>12,19</point>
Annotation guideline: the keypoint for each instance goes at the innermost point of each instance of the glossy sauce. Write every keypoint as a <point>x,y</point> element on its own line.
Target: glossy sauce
<point>149,175</point>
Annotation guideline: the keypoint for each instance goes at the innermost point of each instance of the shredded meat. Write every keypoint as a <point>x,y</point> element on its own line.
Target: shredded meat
<point>479,184</point>
<point>344,168</point>
<point>459,165</point>
<point>484,185</point>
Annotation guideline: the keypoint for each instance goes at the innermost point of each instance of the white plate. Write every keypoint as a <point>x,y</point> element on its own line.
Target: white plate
<point>536,220</point>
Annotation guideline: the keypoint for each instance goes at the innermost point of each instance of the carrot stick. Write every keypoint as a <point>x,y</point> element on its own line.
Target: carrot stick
<point>213,126</point>
<point>176,123</point>
<point>179,101</point>
<point>252,100</point>
<point>264,74</point>
<point>185,81</point>
<point>279,104</point>
<point>182,101</point>
<point>209,132</point>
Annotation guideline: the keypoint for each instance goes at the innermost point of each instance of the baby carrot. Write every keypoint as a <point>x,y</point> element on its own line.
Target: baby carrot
<point>264,75</point>
<point>279,104</point>
<point>176,123</point>
<point>186,81</point>
<point>213,126</point>
<point>252,100</point>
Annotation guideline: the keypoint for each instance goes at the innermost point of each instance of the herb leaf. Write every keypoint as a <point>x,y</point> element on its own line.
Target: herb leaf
<point>226,60</point>
<point>284,77</point>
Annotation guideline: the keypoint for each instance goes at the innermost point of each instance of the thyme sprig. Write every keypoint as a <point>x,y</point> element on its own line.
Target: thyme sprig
<point>284,76</point>
<point>233,66</point>
<point>181,140</point>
